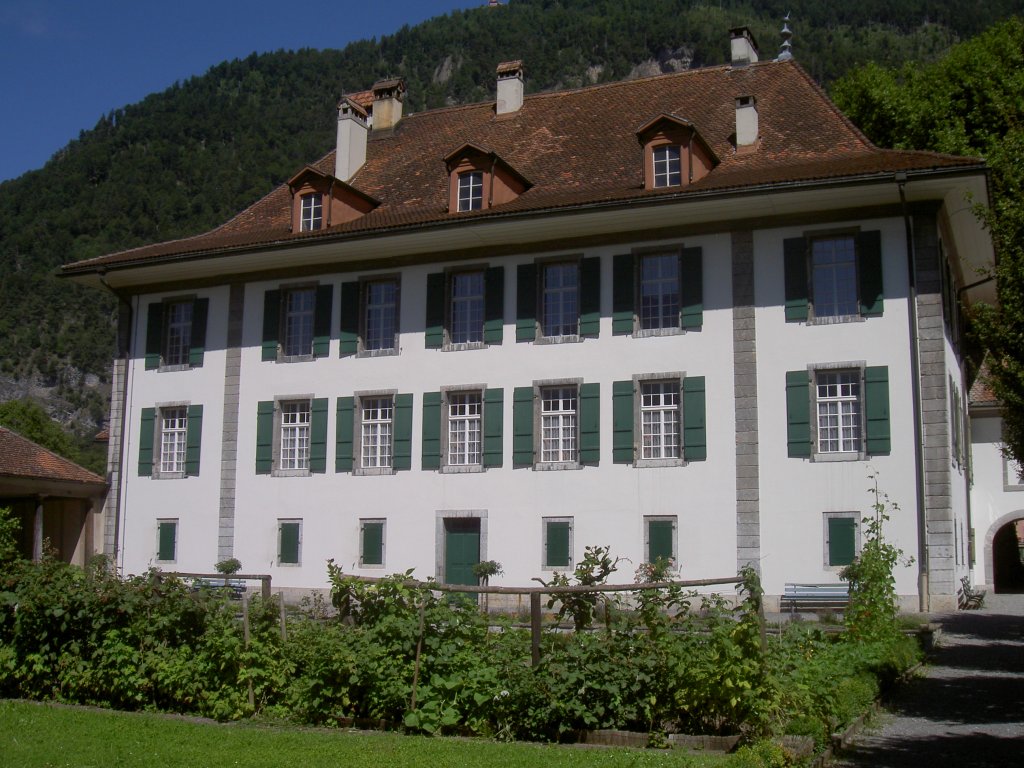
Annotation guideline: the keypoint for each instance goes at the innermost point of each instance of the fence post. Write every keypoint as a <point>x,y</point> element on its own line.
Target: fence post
<point>245,634</point>
<point>284,629</point>
<point>535,627</point>
<point>265,580</point>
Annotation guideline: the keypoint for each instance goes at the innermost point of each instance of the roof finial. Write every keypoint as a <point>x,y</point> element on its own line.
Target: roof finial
<point>786,52</point>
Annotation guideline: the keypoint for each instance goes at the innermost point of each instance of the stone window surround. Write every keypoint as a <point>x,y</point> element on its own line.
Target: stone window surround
<point>364,283</point>
<point>823,234</point>
<point>538,422</point>
<point>819,456</point>
<point>638,380</point>
<point>825,541</point>
<point>454,469</point>
<point>276,452</point>
<point>357,437</point>
<point>158,428</point>
<point>544,542</point>
<point>542,263</point>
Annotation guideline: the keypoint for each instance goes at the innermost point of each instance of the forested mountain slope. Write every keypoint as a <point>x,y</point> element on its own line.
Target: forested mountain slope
<point>184,160</point>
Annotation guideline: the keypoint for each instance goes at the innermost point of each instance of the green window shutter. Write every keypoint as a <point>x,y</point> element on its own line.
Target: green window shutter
<point>798,413</point>
<point>494,416</point>
<point>322,320</point>
<point>146,430</point>
<point>659,540</point>
<point>197,345</point>
<point>344,447</point>
<point>289,551</point>
<point>154,335</point>
<point>691,289</point>
<point>623,290</point>
<point>795,249</point>
<point>349,331</point>
<point>590,296</point>
<point>622,422</point>
<point>522,426</point>
<point>876,407</point>
<point>318,434</point>
<point>264,437</point>
<point>402,446</point>
<point>168,536</point>
<point>271,323</point>
<point>869,268</point>
<point>526,303</point>
<point>695,431</point>
<point>193,439</point>
<point>494,305</point>
<point>842,540</point>
<point>556,551</point>
<point>373,543</point>
<point>590,423</point>
<point>433,336</point>
<point>431,430</point>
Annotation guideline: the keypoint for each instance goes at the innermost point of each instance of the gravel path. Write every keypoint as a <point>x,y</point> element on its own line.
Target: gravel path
<point>967,709</point>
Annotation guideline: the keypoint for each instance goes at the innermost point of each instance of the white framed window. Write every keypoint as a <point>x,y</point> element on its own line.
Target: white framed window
<point>376,432</point>
<point>667,171</point>
<point>294,435</point>
<point>560,308</point>
<point>559,407</point>
<point>659,419</point>
<point>177,332</point>
<point>466,310</point>
<point>173,439</point>
<point>167,541</point>
<point>298,316</point>
<point>839,411</point>
<point>834,276</point>
<point>312,215</point>
<point>380,315</point>
<point>464,432</point>
<point>659,291</point>
<point>471,191</point>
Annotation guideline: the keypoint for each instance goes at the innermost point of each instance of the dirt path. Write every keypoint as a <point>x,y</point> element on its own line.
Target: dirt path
<point>967,710</point>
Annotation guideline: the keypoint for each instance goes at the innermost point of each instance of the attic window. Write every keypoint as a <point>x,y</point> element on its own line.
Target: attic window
<point>312,211</point>
<point>471,191</point>
<point>666,166</point>
<point>674,153</point>
<point>478,179</point>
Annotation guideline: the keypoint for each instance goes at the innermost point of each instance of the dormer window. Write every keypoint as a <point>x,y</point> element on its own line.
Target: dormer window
<point>675,154</point>
<point>471,191</point>
<point>666,166</point>
<point>478,179</point>
<point>312,211</point>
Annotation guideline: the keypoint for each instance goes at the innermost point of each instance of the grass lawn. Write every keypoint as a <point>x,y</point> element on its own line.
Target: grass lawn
<point>41,735</point>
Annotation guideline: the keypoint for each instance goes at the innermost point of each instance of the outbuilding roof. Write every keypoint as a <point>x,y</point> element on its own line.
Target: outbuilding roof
<point>22,458</point>
<point>578,148</point>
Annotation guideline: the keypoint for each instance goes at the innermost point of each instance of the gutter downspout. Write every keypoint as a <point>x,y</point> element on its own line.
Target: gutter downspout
<point>125,355</point>
<point>924,598</point>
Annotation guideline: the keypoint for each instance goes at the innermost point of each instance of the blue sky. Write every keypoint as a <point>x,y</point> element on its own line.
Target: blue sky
<point>64,63</point>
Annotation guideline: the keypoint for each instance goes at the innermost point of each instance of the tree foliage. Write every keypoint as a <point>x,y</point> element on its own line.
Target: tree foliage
<point>971,102</point>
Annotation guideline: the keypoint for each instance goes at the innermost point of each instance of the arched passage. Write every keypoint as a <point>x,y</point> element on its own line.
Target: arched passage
<point>1003,554</point>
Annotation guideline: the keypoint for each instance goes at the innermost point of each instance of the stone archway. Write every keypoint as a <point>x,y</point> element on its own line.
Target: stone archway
<point>999,541</point>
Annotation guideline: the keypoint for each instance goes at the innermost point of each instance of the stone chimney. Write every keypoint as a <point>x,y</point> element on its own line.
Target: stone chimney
<point>744,49</point>
<point>352,131</point>
<point>746,124</point>
<point>510,87</point>
<point>387,103</point>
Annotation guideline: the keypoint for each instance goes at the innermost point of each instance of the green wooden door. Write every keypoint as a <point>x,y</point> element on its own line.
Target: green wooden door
<point>461,549</point>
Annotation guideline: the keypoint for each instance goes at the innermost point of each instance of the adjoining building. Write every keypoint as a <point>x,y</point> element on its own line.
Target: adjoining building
<point>54,500</point>
<point>686,316</point>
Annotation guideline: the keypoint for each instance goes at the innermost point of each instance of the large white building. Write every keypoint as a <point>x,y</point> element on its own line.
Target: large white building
<point>684,316</point>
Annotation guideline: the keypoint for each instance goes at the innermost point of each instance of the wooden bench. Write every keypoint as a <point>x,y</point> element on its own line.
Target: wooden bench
<point>235,586</point>
<point>815,597</point>
<point>968,597</point>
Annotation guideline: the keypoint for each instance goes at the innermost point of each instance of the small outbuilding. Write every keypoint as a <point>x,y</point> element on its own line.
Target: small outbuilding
<point>54,499</point>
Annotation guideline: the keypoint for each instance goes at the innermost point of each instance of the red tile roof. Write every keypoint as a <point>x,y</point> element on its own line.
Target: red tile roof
<point>579,147</point>
<point>21,458</point>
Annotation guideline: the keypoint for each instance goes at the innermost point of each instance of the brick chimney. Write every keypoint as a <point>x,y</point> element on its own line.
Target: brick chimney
<point>387,103</point>
<point>351,147</point>
<point>746,124</point>
<point>510,87</point>
<point>743,47</point>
